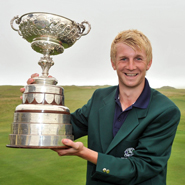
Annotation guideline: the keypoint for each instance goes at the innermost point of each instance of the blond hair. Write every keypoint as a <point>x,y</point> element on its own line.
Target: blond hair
<point>135,39</point>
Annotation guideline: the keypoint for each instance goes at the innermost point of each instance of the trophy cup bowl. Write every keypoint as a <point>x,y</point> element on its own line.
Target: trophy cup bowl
<point>49,33</point>
<point>42,120</point>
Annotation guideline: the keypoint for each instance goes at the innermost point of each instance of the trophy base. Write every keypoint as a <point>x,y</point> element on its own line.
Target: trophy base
<point>37,141</point>
<point>37,147</point>
<point>42,120</point>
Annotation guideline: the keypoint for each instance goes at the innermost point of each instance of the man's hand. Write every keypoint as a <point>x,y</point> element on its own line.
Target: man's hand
<point>74,148</point>
<point>29,81</point>
<point>78,149</point>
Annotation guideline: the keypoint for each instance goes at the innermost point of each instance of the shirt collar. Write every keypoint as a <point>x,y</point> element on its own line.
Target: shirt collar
<point>144,98</point>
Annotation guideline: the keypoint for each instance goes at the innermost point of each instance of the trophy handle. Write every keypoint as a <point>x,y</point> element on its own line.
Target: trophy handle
<point>17,22</point>
<point>84,28</point>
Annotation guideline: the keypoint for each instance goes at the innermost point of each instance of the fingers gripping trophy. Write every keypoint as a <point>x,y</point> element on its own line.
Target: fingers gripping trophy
<point>42,120</point>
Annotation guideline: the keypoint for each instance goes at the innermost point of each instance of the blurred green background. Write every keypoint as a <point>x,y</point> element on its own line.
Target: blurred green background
<point>44,166</point>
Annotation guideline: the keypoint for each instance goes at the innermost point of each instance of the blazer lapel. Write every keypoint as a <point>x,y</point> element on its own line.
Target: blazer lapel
<point>106,118</point>
<point>128,126</point>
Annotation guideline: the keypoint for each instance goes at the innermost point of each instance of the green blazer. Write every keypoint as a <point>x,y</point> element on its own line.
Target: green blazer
<point>139,152</point>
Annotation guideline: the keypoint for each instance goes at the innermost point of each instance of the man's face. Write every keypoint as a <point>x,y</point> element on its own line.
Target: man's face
<point>131,66</point>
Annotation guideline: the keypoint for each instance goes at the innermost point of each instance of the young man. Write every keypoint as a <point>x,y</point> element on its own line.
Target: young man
<point>130,127</point>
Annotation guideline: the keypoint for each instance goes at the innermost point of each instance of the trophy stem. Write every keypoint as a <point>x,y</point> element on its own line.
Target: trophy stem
<point>45,62</point>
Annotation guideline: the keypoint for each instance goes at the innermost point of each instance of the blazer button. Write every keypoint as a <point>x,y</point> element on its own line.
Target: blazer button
<point>107,171</point>
<point>104,169</point>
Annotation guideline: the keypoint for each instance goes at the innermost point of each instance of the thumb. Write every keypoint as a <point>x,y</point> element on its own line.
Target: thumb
<point>67,142</point>
<point>75,145</point>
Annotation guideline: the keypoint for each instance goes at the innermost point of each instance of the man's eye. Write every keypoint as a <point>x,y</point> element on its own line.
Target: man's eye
<point>138,58</point>
<point>124,59</point>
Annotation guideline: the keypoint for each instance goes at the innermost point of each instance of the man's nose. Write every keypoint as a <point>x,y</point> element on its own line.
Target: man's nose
<point>131,65</point>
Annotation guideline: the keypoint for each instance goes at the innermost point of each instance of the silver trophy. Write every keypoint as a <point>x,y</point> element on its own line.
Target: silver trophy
<point>42,120</point>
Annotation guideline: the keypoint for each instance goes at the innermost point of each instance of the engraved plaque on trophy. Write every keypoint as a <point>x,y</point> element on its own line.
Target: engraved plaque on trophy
<point>42,120</point>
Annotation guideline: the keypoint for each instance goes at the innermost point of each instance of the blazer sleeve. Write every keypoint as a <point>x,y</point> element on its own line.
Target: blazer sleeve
<point>79,119</point>
<point>150,156</point>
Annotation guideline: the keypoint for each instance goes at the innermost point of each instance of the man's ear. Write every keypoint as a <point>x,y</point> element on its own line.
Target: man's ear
<point>149,65</point>
<point>113,64</point>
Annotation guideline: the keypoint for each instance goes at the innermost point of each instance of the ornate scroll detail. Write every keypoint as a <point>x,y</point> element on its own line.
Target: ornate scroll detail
<point>45,62</point>
<point>58,28</point>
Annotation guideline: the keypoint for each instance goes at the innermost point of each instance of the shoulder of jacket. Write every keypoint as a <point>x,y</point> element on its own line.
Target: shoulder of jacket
<point>161,99</point>
<point>105,91</point>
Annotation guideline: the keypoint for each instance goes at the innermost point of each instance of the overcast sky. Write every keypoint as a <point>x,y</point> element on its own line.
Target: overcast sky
<point>87,62</point>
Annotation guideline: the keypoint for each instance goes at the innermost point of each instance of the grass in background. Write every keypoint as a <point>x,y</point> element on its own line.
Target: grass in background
<point>43,166</point>
<point>176,164</point>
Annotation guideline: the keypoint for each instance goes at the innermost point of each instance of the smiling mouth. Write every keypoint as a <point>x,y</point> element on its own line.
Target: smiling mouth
<point>131,74</point>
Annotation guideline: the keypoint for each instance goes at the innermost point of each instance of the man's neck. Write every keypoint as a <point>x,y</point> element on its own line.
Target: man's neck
<point>128,96</point>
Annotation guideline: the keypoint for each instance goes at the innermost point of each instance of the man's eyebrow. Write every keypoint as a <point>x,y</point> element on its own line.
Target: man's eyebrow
<point>123,56</point>
<point>139,56</point>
